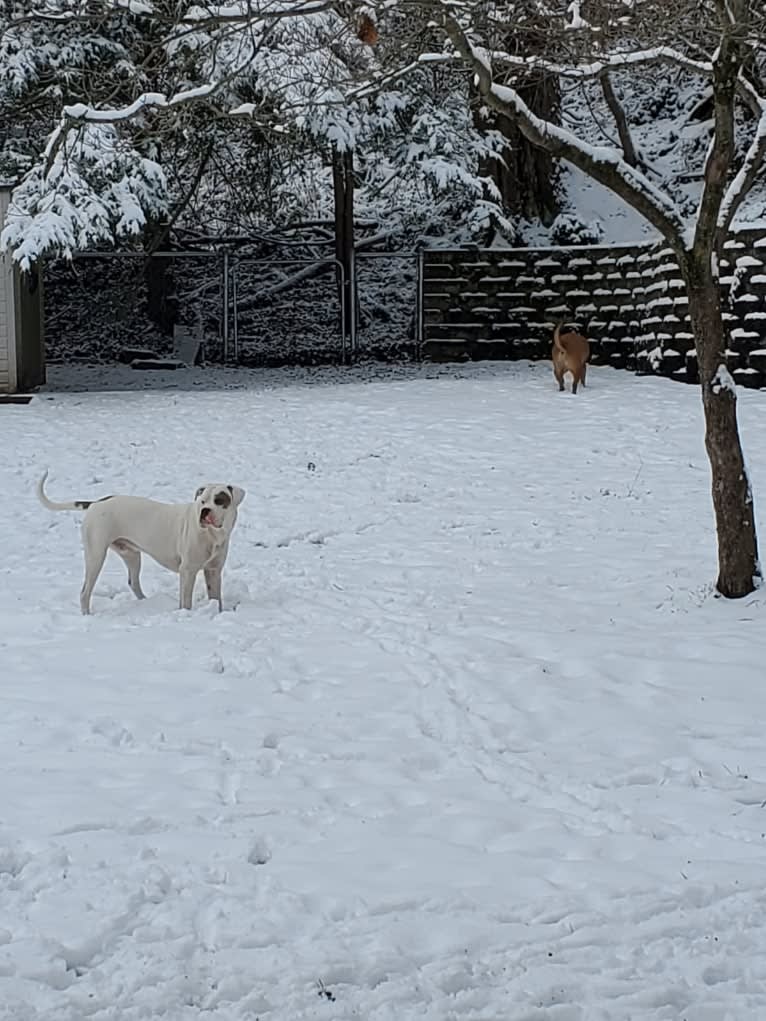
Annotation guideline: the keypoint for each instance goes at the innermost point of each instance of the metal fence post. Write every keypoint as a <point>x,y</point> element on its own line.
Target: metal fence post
<point>353,301</point>
<point>235,308</point>
<point>342,274</point>
<point>419,307</point>
<point>225,286</point>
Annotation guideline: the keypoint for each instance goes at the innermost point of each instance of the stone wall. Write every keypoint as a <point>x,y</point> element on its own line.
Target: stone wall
<point>629,300</point>
<point>665,343</point>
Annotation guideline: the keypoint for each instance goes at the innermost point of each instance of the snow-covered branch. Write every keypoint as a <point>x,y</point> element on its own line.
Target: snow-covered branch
<point>51,13</point>
<point>614,62</point>
<point>745,178</point>
<point>380,81</point>
<point>247,11</point>
<point>630,59</point>
<point>84,112</point>
<point>749,95</point>
<point>242,12</point>
<point>622,61</point>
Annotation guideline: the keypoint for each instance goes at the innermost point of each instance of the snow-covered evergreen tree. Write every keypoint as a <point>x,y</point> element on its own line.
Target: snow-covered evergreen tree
<point>124,113</point>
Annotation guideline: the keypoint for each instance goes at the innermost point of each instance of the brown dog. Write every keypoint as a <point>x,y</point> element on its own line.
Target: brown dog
<point>570,354</point>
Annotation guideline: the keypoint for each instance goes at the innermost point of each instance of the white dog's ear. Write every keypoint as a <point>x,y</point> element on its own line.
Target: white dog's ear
<point>237,494</point>
<point>199,492</point>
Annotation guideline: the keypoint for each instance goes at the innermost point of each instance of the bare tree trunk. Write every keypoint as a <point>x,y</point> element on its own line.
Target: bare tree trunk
<point>738,566</point>
<point>161,298</point>
<point>526,175</point>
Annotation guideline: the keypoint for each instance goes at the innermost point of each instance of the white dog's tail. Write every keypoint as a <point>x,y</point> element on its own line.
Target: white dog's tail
<point>51,505</point>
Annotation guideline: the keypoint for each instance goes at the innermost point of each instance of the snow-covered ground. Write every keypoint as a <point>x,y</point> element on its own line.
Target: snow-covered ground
<point>473,740</point>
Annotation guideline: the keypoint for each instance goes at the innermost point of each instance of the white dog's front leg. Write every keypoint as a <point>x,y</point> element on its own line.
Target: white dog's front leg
<point>213,582</point>
<point>187,578</point>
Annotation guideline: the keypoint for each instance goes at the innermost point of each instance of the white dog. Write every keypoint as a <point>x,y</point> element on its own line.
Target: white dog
<point>184,537</point>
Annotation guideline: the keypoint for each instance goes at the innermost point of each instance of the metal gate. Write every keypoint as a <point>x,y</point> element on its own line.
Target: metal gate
<point>248,310</point>
<point>389,305</point>
<point>263,325</point>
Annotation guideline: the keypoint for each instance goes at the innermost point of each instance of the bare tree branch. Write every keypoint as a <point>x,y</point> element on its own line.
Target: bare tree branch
<point>186,198</point>
<point>623,129</point>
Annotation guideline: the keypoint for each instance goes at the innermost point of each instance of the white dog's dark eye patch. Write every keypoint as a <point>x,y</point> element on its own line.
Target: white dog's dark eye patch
<point>222,500</point>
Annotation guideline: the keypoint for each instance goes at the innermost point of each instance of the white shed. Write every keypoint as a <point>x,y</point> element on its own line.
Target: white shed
<point>22,354</point>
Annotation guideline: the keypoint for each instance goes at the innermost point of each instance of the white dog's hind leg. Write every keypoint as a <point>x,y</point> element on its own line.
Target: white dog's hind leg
<point>187,578</point>
<point>213,582</point>
<point>132,557</point>
<point>94,561</point>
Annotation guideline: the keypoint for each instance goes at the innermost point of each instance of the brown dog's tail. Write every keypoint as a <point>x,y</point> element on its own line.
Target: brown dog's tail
<point>562,343</point>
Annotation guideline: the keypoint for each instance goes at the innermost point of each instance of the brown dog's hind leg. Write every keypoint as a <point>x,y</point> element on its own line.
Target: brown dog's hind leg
<point>578,377</point>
